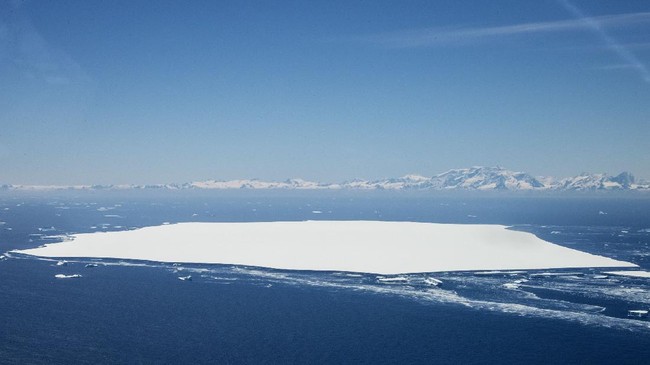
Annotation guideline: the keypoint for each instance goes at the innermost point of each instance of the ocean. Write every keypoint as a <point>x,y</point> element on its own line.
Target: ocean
<point>140,313</point>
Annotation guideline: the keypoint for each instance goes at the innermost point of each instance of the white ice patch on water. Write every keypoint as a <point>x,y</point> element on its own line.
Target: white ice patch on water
<point>635,274</point>
<point>63,276</point>
<point>637,313</point>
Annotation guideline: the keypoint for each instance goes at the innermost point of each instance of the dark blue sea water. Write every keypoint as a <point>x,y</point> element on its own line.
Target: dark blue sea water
<point>139,312</point>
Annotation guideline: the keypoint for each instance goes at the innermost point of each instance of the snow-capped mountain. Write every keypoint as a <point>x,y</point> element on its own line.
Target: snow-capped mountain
<point>400,183</point>
<point>622,181</point>
<point>473,178</point>
<point>487,178</point>
<point>258,184</point>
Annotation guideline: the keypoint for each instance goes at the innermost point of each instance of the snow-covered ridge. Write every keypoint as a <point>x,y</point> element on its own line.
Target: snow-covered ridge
<point>474,178</point>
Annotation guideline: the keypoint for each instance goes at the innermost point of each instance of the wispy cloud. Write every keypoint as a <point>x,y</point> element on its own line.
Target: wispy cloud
<point>459,35</point>
<point>627,56</point>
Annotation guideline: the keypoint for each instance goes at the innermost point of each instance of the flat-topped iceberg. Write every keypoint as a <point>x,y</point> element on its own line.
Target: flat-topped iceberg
<point>354,246</point>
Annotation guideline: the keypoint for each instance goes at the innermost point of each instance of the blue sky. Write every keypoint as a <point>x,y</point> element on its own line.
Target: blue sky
<point>175,91</point>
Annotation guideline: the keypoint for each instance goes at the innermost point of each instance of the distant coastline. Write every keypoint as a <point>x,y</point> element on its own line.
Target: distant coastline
<point>469,179</point>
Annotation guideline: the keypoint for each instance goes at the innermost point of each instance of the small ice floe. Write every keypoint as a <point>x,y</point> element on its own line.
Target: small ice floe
<point>354,275</point>
<point>316,212</point>
<point>600,277</point>
<point>185,278</point>
<point>551,274</point>
<point>556,232</point>
<point>498,273</point>
<point>2,257</point>
<point>624,231</point>
<point>511,286</point>
<point>432,281</point>
<point>91,265</point>
<point>393,279</point>
<point>471,216</point>
<point>641,313</point>
<point>62,263</point>
<point>166,223</point>
<point>634,274</point>
<point>63,276</point>
<point>351,275</point>
<point>600,212</point>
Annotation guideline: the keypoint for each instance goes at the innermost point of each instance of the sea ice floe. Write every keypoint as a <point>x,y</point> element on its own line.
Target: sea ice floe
<point>635,274</point>
<point>393,280</point>
<point>499,273</point>
<point>63,276</point>
<point>432,281</point>
<point>637,313</point>
<point>511,286</point>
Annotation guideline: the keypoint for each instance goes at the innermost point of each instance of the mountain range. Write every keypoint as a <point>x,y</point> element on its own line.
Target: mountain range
<point>473,178</point>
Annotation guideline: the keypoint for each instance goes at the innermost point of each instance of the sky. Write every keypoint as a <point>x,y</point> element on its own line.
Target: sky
<point>111,92</point>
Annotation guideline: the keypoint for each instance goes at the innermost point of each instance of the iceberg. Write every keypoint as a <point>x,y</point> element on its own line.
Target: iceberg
<point>380,247</point>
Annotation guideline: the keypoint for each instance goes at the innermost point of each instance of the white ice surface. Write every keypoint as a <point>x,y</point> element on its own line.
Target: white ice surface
<point>63,276</point>
<point>355,246</point>
<point>636,274</point>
